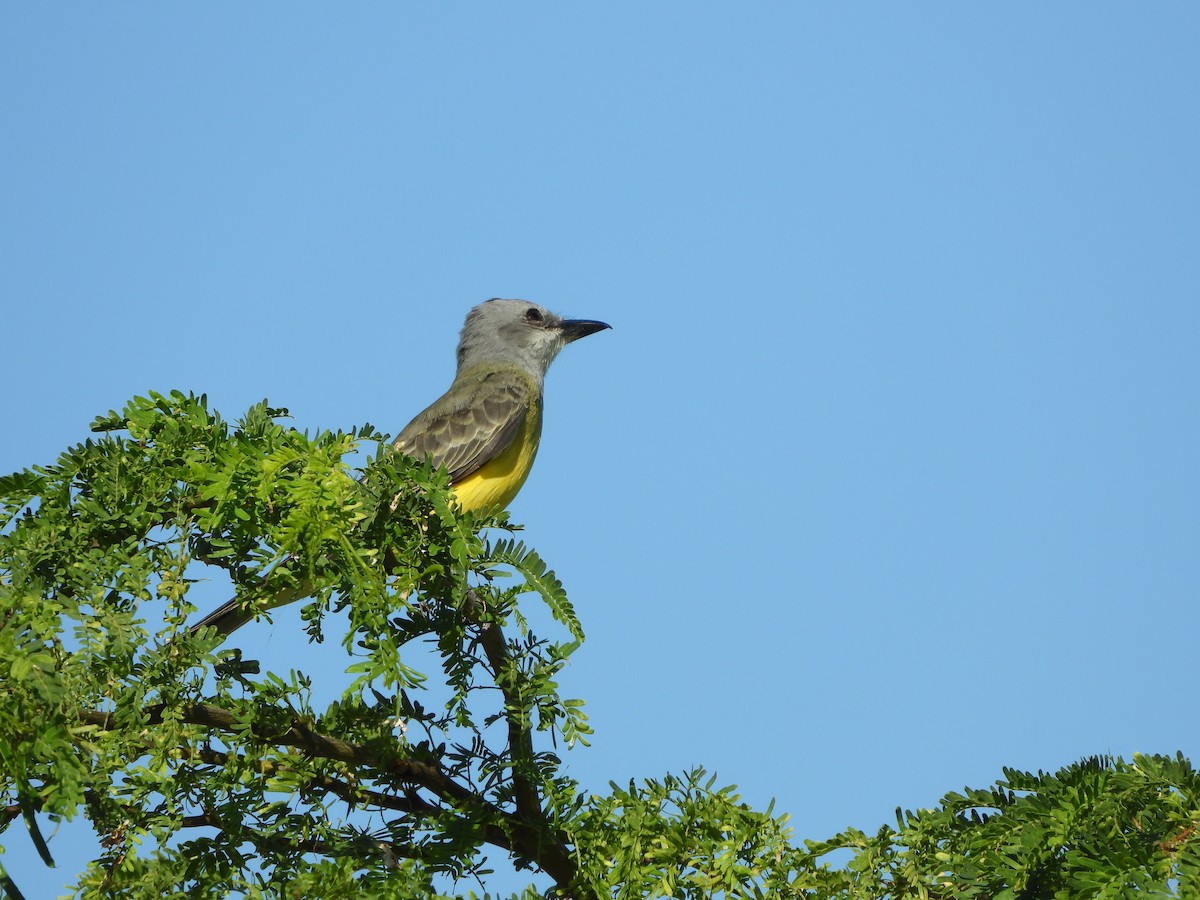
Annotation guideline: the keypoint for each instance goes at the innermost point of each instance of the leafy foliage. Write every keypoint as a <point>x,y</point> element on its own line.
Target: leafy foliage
<point>1101,828</point>
<point>205,775</point>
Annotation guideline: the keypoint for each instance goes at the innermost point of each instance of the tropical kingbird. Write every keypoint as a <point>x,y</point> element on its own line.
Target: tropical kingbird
<point>486,428</point>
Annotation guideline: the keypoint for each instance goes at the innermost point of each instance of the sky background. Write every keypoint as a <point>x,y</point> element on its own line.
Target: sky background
<point>886,476</point>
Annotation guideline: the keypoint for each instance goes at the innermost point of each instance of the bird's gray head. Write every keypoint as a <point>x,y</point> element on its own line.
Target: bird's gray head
<point>518,332</point>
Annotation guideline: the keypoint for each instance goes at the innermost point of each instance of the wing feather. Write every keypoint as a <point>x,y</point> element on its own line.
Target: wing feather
<point>468,425</point>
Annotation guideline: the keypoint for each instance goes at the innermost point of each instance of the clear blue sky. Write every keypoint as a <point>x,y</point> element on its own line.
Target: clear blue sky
<point>886,476</point>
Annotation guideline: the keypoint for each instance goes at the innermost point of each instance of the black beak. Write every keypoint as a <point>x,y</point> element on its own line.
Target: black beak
<point>574,329</point>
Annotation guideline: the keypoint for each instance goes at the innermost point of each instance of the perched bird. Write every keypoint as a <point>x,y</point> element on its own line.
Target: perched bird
<point>486,428</point>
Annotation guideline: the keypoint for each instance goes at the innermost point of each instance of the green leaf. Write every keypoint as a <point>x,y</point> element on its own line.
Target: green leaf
<point>539,577</point>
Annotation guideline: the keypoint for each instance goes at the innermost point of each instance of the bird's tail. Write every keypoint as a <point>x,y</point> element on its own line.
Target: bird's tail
<point>226,618</point>
<point>233,614</point>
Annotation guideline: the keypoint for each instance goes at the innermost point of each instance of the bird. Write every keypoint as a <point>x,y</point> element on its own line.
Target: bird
<point>487,427</point>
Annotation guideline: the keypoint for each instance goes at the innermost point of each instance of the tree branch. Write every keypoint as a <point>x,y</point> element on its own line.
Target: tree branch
<point>10,812</point>
<point>353,795</point>
<point>304,845</point>
<point>520,736</point>
<point>520,743</point>
<point>314,743</point>
<point>514,833</point>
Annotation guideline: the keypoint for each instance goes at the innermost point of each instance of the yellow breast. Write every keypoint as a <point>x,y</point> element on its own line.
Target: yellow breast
<point>494,485</point>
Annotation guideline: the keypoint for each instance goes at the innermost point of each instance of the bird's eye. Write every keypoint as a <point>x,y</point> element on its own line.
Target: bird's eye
<point>533,315</point>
